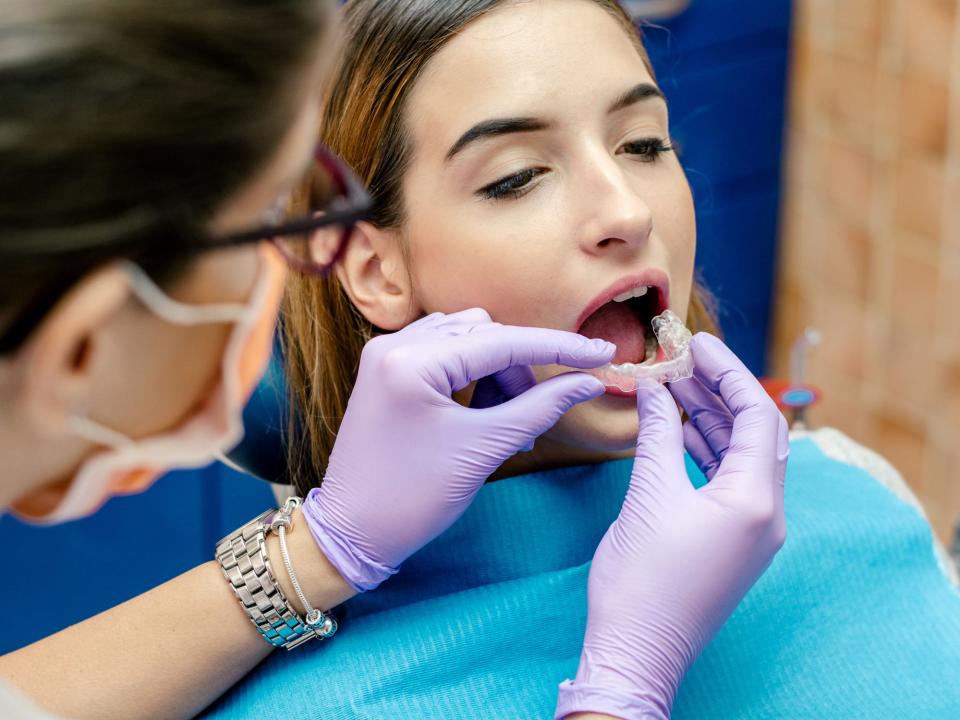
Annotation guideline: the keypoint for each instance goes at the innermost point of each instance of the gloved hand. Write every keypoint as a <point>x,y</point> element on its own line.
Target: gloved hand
<point>677,561</point>
<point>408,459</point>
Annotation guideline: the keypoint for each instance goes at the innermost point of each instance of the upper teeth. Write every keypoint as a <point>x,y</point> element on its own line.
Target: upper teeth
<point>629,294</point>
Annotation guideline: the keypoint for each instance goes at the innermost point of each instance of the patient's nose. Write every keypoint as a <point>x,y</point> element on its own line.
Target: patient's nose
<point>615,217</point>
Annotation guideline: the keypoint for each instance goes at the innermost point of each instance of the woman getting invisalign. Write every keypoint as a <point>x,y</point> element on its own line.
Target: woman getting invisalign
<point>144,147</point>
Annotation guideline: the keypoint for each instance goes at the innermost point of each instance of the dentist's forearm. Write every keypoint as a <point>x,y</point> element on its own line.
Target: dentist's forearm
<point>168,653</point>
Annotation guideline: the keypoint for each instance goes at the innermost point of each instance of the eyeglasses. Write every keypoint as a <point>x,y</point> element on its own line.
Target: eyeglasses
<point>311,244</point>
<point>315,241</point>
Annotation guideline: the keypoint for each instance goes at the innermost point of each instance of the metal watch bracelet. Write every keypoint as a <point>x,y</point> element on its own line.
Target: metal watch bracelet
<point>242,556</point>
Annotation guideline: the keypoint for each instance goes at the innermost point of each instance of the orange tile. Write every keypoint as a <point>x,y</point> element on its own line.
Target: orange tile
<point>918,203</point>
<point>948,326</point>
<point>923,112</point>
<point>927,27</point>
<point>947,405</point>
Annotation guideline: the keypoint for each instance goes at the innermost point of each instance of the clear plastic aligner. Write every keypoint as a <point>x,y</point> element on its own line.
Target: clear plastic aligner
<point>674,338</point>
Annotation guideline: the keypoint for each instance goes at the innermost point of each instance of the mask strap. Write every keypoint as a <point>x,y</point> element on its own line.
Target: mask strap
<point>84,427</point>
<point>176,312</point>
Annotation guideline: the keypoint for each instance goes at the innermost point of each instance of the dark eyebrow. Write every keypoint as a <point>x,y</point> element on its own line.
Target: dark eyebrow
<point>638,93</point>
<point>494,128</point>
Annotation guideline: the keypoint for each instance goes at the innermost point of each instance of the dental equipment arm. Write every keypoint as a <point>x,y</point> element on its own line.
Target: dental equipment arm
<point>406,463</point>
<point>677,561</point>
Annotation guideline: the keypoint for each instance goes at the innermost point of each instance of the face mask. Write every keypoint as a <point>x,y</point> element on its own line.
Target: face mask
<point>130,466</point>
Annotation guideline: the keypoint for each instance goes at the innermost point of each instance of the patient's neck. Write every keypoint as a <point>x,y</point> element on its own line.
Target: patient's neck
<point>547,454</point>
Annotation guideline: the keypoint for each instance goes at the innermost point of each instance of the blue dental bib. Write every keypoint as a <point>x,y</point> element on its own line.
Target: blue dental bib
<point>854,618</point>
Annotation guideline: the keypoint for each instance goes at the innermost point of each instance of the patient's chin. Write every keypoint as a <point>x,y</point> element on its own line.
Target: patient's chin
<point>605,425</point>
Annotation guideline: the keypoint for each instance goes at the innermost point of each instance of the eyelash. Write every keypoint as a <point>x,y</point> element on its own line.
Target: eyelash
<point>517,185</point>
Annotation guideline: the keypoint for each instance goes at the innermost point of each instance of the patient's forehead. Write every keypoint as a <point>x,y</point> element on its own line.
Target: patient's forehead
<point>556,59</point>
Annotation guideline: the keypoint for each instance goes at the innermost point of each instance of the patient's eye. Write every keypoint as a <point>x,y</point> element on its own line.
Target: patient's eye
<point>647,150</point>
<point>513,186</point>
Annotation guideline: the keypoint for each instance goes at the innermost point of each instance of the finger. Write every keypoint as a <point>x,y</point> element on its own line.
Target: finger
<point>700,450</point>
<point>705,410</point>
<point>752,452</point>
<point>522,420</point>
<point>425,321</point>
<point>471,317</point>
<point>467,358</point>
<point>502,386</point>
<point>659,454</point>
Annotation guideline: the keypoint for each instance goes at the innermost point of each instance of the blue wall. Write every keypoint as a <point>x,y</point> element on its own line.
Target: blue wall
<point>723,71</point>
<point>723,67</point>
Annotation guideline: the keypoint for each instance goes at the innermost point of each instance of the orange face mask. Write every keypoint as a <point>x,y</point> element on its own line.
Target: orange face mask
<point>130,466</point>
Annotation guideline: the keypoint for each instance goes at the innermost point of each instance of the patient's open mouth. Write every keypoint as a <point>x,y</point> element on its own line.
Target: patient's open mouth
<point>623,317</point>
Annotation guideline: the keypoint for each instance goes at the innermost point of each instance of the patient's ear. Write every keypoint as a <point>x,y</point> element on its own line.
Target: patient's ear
<point>374,276</point>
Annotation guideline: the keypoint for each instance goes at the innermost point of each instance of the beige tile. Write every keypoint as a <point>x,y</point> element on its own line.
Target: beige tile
<point>858,27</point>
<point>908,377</point>
<point>948,326</point>
<point>845,97</point>
<point>927,27</point>
<point>840,356</point>
<point>847,258</point>
<point>842,409</point>
<point>950,241</point>
<point>918,202</point>
<point>814,21</point>
<point>941,499</point>
<point>846,175</point>
<point>901,441</point>
<point>914,301</point>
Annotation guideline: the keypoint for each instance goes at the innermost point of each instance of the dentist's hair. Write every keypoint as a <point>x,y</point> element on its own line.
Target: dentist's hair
<point>387,45</point>
<point>126,124</point>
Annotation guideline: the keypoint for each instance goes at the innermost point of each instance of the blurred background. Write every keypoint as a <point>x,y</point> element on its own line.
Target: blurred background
<point>818,140</point>
<point>869,240</point>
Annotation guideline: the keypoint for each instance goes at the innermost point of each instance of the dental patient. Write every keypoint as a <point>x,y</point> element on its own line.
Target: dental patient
<point>523,166</point>
<point>521,162</point>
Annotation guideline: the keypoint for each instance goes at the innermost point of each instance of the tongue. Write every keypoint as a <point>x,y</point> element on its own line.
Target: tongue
<point>616,323</point>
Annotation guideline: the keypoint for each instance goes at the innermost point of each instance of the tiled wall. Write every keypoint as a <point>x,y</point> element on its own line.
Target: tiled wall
<point>870,250</point>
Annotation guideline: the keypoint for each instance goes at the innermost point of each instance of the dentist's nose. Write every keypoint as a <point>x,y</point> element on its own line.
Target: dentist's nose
<point>615,217</point>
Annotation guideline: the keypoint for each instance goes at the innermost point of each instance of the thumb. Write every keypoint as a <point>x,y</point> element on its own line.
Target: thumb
<point>659,454</point>
<point>535,411</point>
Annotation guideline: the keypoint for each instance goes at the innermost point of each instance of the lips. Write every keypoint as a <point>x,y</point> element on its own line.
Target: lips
<point>626,324</point>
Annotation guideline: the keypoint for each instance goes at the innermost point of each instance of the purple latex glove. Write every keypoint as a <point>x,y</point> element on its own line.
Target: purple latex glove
<point>408,459</point>
<point>677,561</point>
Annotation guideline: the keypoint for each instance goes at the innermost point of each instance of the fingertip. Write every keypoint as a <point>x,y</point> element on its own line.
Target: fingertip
<point>599,350</point>
<point>593,387</point>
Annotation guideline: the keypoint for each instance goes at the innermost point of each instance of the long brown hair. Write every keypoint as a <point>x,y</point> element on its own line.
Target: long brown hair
<point>387,45</point>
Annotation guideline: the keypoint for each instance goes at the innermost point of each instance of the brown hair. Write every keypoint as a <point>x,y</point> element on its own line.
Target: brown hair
<point>387,45</point>
<point>126,124</point>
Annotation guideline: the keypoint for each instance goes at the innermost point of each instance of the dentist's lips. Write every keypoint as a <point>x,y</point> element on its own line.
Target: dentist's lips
<point>626,324</point>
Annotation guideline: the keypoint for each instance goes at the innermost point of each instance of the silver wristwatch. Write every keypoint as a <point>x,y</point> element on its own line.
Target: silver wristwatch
<point>243,558</point>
